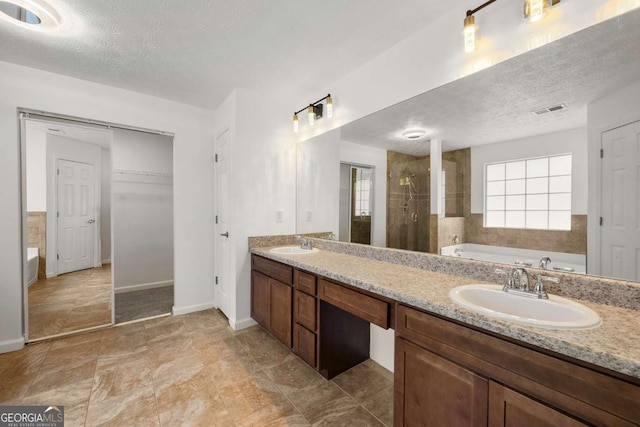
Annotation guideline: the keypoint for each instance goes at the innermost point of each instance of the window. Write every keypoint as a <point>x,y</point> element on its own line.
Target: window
<point>531,193</point>
<point>362,191</point>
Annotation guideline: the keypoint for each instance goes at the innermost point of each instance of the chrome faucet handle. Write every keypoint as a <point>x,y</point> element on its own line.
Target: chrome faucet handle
<point>539,286</point>
<point>508,278</point>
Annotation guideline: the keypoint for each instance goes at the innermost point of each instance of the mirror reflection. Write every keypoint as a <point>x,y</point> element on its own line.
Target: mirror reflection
<point>503,165</point>
<point>99,221</point>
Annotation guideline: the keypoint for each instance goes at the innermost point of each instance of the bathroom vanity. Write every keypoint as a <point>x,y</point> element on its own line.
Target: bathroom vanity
<point>452,366</point>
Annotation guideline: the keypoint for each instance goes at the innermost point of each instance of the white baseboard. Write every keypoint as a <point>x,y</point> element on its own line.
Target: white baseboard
<point>192,308</point>
<point>237,325</point>
<point>142,286</point>
<point>106,261</point>
<point>12,345</point>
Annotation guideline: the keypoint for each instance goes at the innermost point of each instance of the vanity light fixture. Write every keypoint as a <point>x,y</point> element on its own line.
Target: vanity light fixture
<point>314,112</point>
<point>470,36</point>
<point>534,10</point>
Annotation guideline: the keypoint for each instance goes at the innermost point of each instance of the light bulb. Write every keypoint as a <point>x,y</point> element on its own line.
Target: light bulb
<point>469,34</point>
<point>536,10</point>
<point>329,107</point>
<point>295,123</point>
<point>312,116</point>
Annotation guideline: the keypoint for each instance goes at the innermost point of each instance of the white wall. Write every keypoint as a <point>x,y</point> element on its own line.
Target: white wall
<point>370,156</point>
<point>318,184</point>
<point>36,163</point>
<point>35,89</point>
<point>572,141</point>
<point>614,110</point>
<point>142,209</point>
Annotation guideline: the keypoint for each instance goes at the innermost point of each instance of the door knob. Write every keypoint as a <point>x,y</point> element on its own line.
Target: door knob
<point>225,234</point>
<point>91,221</point>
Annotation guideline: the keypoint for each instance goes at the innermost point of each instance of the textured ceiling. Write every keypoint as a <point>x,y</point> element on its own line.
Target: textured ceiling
<point>198,51</point>
<point>495,104</point>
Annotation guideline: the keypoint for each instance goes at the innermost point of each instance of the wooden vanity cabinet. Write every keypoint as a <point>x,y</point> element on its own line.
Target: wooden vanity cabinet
<point>272,297</point>
<point>454,375</point>
<point>305,317</point>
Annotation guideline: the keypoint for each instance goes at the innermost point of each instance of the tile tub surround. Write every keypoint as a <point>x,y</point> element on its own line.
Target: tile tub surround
<point>614,346</point>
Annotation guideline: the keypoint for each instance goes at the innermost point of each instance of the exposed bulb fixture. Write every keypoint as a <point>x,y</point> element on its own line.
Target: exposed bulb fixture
<point>312,116</point>
<point>535,10</point>
<point>314,112</point>
<point>413,134</point>
<point>469,34</point>
<point>470,28</point>
<point>295,123</point>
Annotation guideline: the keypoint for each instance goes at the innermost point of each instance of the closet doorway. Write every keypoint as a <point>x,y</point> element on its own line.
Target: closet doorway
<point>88,189</point>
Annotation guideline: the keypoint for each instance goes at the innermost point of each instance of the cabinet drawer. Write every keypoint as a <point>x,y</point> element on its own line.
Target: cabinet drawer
<point>304,309</point>
<point>280,272</point>
<point>361,305</point>
<point>304,344</point>
<point>305,282</point>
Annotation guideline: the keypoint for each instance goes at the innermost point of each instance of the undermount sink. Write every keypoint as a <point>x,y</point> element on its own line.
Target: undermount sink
<point>554,313</point>
<point>292,250</point>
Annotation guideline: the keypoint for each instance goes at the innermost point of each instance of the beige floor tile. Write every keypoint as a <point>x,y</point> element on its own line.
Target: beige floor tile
<point>190,370</point>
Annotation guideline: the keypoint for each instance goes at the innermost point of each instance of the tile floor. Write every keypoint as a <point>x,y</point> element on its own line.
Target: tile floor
<point>138,305</point>
<point>70,302</point>
<point>190,370</point>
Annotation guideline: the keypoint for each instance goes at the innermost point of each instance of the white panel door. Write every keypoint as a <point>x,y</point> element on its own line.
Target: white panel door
<point>76,216</point>
<point>223,286</point>
<point>620,205</point>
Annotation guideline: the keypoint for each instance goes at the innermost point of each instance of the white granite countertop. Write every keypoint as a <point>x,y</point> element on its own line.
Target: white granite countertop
<point>615,345</point>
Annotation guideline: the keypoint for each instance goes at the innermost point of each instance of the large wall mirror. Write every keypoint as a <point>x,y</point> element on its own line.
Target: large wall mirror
<point>503,165</point>
<point>98,224</point>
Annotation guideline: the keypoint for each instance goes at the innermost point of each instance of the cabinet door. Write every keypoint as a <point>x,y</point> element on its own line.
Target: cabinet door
<point>260,299</point>
<point>280,311</point>
<point>432,391</point>
<point>304,307</point>
<point>512,409</point>
<point>304,344</point>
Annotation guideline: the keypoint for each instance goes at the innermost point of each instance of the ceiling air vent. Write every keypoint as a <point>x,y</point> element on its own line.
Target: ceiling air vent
<point>551,109</point>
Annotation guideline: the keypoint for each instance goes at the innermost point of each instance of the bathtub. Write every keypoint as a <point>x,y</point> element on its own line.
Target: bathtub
<point>33,259</point>
<point>560,261</point>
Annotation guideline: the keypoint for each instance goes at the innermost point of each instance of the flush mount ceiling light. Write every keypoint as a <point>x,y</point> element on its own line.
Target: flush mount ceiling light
<point>470,28</point>
<point>30,14</point>
<point>534,10</point>
<point>314,111</point>
<point>413,134</point>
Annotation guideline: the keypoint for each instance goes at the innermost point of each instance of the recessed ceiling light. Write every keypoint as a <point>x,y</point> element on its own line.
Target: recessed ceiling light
<point>413,134</point>
<point>31,14</point>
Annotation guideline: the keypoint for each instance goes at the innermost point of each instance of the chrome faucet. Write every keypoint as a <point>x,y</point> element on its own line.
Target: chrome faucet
<point>544,262</point>
<point>305,243</point>
<point>521,279</point>
<point>517,282</point>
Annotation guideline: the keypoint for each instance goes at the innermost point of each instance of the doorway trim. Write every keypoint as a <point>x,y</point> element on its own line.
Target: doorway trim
<point>594,204</point>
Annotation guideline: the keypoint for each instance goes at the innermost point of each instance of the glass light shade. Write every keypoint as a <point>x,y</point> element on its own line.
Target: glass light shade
<point>312,116</point>
<point>469,34</point>
<point>329,107</point>
<point>535,9</point>
<point>295,123</point>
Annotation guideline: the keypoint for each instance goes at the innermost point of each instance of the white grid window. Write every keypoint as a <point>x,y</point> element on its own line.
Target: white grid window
<point>363,184</point>
<point>530,194</point>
